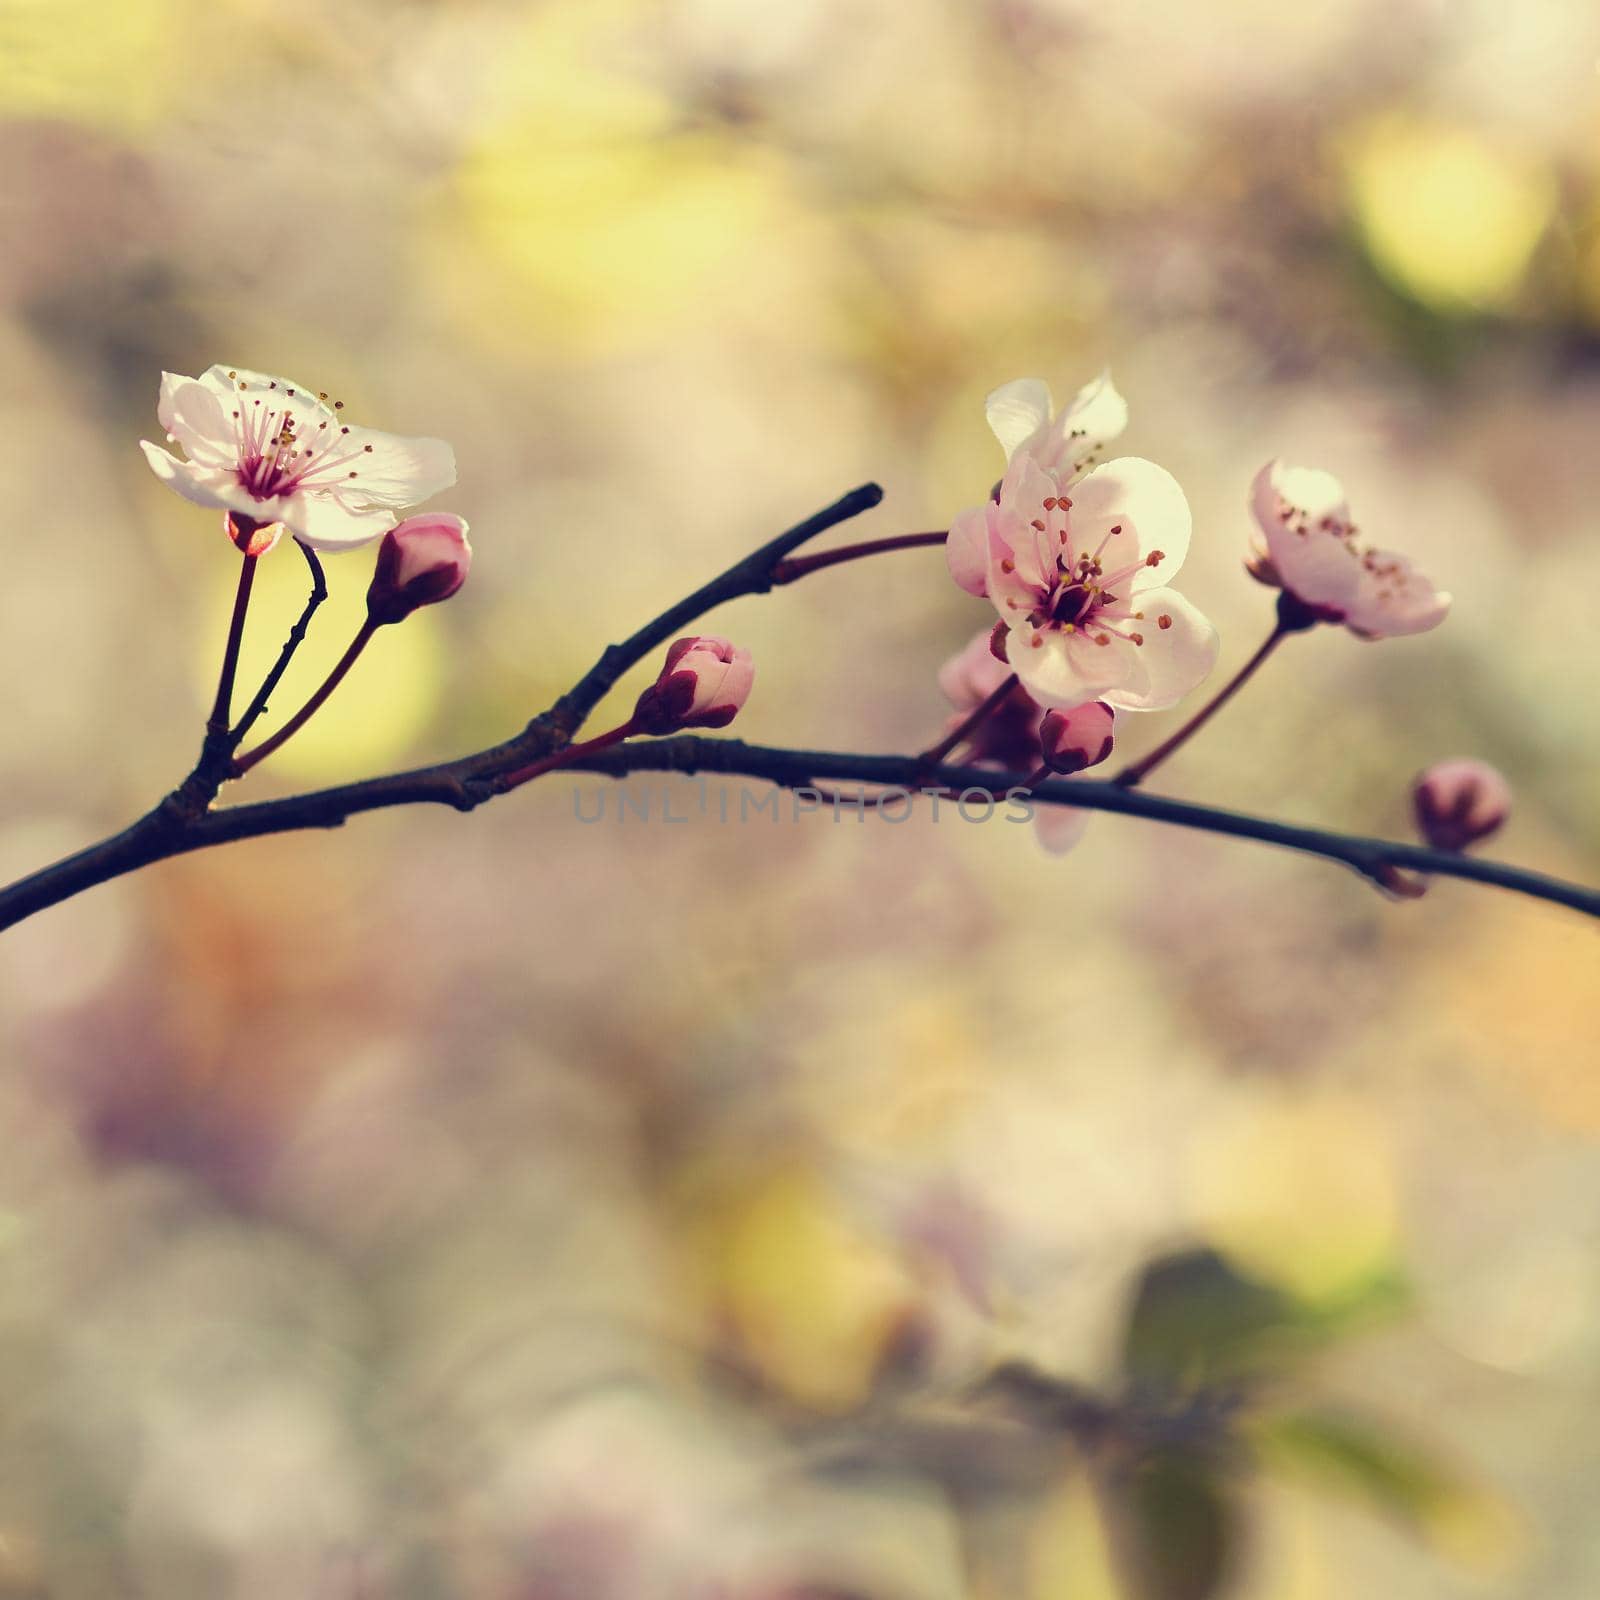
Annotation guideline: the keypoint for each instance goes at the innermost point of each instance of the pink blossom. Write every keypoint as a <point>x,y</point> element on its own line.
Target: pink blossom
<point>1067,442</point>
<point>1079,579</point>
<point>1307,546</point>
<point>1460,802</point>
<point>274,455</point>
<point>703,684</point>
<point>1072,741</point>
<point>1009,738</point>
<point>421,562</point>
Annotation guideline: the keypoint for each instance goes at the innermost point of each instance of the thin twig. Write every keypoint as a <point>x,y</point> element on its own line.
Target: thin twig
<point>969,724</point>
<point>221,710</point>
<point>800,566</point>
<point>1136,771</point>
<point>242,764</point>
<point>319,593</point>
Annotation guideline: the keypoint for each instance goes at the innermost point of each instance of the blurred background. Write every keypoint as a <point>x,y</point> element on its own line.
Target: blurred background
<point>513,1208</point>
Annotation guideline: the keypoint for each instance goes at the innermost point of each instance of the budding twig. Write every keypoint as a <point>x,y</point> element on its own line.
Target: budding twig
<point>319,593</point>
<point>222,707</point>
<point>799,566</point>
<point>242,764</point>
<point>468,781</point>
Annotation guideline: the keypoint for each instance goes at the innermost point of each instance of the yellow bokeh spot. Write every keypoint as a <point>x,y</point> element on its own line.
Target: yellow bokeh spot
<point>103,62</point>
<point>1449,216</point>
<point>585,210</point>
<point>812,1298</point>
<point>1300,1192</point>
<point>376,713</point>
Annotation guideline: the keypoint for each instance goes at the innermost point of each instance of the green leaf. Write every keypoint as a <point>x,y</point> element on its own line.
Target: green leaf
<point>1176,1528</point>
<point>1195,1321</point>
<point>1346,1451</point>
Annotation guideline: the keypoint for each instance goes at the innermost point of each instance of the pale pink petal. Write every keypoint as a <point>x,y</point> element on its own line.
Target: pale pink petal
<point>1014,581</point>
<point>224,381</point>
<point>1324,573</point>
<point>394,471</point>
<point>194,417</point>
<point>1281,492</point>
<point>1017,410</point>
<point>1144,503</point>
<point>970,676</point>
<point>1063,670</point>
<point>1393,599</point>
<point>1305,519</point>
<point>325,521</point>
<point>966,550</point>
<point>1178,653</point>
<point>204,486</point>
<point>1096,415</point>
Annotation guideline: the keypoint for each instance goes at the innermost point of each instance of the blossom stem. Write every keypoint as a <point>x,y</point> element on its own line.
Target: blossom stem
<point>222,707</point>
<point>934,754</point>
<point>799,566</point>
<point>319,593</point>
<point>1136,771</point>
<point>242,764</point>
<point>562,758</point>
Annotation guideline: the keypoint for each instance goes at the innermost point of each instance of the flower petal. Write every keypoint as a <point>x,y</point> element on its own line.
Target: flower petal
<point>194,416</point>
<point>393,471</point>
<point>1305,519</point>
<point>1393,599</point>
<point>1063,670</point>
<point>1142,501</point>
<point>1017,411</point>
<point>1179,650</point>
<point>970,676</point>
<point>327,521</point>
<point>966,549</point>
<point>1096,415</point>
<point>204,486</point>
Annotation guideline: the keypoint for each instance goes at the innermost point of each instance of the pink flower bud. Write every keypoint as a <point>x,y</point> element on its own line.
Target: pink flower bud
<point>420,563</point>
<point>1072,740</point>
<point>1459,802</point>
<point>703,684</point>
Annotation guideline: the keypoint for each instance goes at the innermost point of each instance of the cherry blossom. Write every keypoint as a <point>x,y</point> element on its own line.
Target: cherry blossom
<point>421,562</point>
<point>1025,422</point>
<point>1079,579</point>
<point>703,684</point>
<point>274,455</point>
<point>1009,738</point>
<point>1459,802</point>
<point>1307,546</point>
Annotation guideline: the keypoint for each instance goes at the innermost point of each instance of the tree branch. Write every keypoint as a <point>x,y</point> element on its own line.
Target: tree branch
<point>465,783</point>
<point>452,784</point>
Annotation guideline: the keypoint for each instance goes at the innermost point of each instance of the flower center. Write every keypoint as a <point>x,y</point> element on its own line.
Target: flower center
<point>1074,601</point>
<point>287,441</point>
